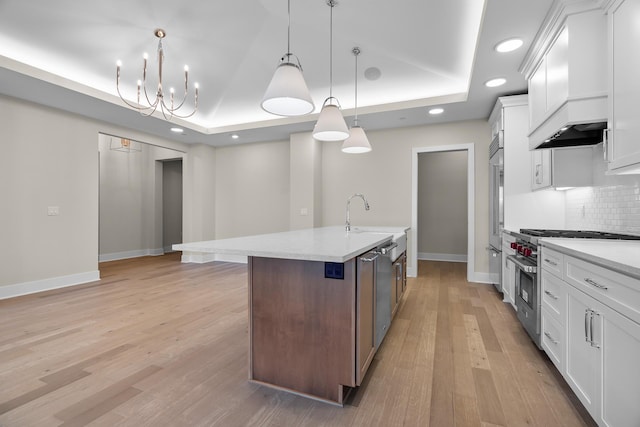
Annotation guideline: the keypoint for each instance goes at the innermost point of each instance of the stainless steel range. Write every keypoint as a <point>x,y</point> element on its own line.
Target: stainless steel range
<point>527,246</point>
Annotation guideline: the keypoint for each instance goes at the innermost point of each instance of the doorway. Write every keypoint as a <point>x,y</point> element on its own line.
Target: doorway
<point>131,214</point>
<point>171,203</point>
<point>468,150</point>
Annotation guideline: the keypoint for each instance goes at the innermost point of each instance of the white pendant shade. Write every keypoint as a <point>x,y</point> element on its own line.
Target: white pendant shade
<point>287,94</point>
<point>331,125</point>
<point>357,143</point>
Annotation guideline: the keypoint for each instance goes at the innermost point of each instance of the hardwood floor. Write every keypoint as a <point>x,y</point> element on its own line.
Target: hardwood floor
<point>160,343</point>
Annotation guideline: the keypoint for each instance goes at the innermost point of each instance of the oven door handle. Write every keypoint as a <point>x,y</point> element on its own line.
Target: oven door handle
<point>527,268</point>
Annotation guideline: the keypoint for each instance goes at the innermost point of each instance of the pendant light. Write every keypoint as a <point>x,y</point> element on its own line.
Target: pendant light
<point>287,94</point>
<point>331,125</point>
<point>358,141</point>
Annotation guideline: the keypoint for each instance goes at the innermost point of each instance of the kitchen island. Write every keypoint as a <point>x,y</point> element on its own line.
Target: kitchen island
<point>312,306</point>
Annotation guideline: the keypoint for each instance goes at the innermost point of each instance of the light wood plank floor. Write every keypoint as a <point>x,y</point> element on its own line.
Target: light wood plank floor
<point>160,343</point>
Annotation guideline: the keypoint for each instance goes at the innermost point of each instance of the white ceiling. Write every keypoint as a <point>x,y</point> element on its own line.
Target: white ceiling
<point>429,52</point>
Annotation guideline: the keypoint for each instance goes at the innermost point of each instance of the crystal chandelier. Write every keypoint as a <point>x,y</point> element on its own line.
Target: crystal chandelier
<point>168,107</point>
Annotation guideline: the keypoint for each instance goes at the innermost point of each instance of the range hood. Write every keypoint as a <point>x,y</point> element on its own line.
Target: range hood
<point>576,135</point>
<point>567,75</point>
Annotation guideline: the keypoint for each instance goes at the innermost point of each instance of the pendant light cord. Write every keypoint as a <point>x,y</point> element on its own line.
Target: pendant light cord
<point>289,29</point>
<point>356,52</point>
<point>331,3</point>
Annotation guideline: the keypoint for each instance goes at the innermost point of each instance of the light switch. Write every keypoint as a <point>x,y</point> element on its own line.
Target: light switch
<point>53,210</point>
<point>304,212</point>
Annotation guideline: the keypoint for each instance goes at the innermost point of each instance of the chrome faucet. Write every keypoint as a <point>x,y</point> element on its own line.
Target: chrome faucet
<point>366,207</point>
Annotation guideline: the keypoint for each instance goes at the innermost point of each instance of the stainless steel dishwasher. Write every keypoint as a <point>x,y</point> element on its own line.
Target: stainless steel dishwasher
<point>384,274</point>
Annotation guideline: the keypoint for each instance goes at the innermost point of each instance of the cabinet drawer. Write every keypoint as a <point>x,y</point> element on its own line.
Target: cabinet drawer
<point>618,291</point>
<point>552,261</point>
<point>552,335</point>
<point>554,296</point>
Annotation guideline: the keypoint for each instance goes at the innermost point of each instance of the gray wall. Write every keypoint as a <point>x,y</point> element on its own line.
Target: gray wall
<point>442,205</point>
<point>171,203</point>
<point>50,158</point>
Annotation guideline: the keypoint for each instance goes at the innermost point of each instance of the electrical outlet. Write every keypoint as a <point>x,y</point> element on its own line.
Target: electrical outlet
<point>304,212</point>
<point>53,211</point>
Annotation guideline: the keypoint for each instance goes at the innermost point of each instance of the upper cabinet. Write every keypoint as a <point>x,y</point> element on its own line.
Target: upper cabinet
<point>561,168</point>
<point>623,149</point>
<point>549,84</point>
<point>566,71</point>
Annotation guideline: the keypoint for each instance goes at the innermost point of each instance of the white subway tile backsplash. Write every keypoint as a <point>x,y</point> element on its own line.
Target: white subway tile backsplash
<point>611,208</point>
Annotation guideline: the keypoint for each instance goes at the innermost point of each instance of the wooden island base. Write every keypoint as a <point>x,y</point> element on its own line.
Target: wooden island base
<point>308,334</point>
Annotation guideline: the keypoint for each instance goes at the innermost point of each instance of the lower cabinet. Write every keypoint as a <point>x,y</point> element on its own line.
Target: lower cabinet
<point>508,278</point>
<point>365,312</point>
<point>602,360</point>
<point>595,347</point>
<point>398,281</point>
<point>582,370</point>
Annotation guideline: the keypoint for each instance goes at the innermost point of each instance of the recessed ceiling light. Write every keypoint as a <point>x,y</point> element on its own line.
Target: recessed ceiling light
<point>495,82</point>
<point>235,136</point>
<point>177,130</point>
<point>435,111</point>
<point>509,45</point>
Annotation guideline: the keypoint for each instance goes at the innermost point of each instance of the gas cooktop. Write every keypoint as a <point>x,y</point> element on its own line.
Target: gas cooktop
<point>582,234</point>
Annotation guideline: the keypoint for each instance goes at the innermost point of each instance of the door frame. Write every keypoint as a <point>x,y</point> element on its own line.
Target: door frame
<point>469,148</point>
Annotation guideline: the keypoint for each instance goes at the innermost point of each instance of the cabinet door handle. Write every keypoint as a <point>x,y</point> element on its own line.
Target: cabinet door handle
<point>591,341</point>
<point>551,295</point>
<point>548,335</point>
<point>596,284</point>
<point>586,325</point>
<point>605,144</point>
<point>548,261</point>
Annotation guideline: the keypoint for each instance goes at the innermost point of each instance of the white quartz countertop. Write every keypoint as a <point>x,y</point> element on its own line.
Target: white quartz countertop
<point>620,255</point>
<point>329,244</point>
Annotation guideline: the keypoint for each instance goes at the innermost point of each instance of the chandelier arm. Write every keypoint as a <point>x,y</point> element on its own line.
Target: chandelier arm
<point>168,111</point>
<point>184,98</point>
<point>164,113</point>
<point>141,109</point>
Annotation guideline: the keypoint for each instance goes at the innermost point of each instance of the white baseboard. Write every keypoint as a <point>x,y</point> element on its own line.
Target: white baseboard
<point>130,254</point>
<point>428,256</point>
<point>202,258</point>
<point>485,278</point>
<point>26,288</point>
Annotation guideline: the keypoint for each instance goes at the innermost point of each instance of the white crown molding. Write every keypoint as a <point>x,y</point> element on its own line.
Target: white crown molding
<point>26,288</point>
<point>551,27</point>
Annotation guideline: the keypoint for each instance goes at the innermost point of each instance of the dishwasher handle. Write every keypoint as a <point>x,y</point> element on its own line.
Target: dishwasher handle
<point>386,249</point>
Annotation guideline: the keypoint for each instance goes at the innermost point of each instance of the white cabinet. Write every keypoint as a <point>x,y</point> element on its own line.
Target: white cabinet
<point>602,355</point>
<point>540,169</point>
<point>508,270</point>
<point>591,332</point>
<point>582,370</point>
<point>561,168</point>
<point>623,151</point>
<point>554,308</point>
<point>549,84</point>
<point>566,72</point>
